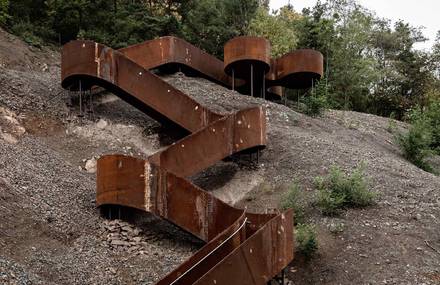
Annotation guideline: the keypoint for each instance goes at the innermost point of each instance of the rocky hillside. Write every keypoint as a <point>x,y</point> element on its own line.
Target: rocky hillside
<point>51,232</point>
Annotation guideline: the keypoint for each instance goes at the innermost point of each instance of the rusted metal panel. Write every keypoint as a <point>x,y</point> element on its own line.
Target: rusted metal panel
<point>209,255</point>
<point>121,181</point>
<point>259,258</point>
<point>249,58</point>
<point>171,50</point>
<point>241,52</point>
<point>132,182</point>
<point>241,248</point>
<point>244,130</point>
<point>298,69</point>
<point>112,68</point>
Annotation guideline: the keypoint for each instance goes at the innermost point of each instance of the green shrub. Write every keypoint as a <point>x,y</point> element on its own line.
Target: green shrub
<point>432,116</point>
<point>338,190</point>
<point>416,143</point>
<point>314,105</point>
<point>25,30</point>
<point>291,200</point>
<point>392,125</point>
<point>306,242</point>
<point>316,102</point>
<point>336,228</point>
<point>329,202</point>
<point>4,16</point>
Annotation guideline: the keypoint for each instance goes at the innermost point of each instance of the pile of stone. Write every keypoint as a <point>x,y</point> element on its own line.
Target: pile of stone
<point>121,235</point>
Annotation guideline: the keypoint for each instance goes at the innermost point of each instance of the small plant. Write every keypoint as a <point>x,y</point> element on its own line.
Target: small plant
<point>266,188</point>
<point>306,242</point>
<point>415,144</point>
<point>336,228</point>
<point>316,102</point>
<point>338,190</point>
<point>392,125</point>
<point>291,200</point>
<point>432,115</point>
<point>314,105</point>
<point>329,202</point>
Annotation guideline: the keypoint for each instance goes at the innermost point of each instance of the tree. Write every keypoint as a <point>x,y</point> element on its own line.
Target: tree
<point>211,23</point>
<point>436,56</point>
<point>371,66</point>
<point>278,28</point>
<point>4,16</point>
<point>341,30</point>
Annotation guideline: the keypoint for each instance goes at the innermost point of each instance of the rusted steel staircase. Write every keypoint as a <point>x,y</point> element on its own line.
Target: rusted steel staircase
<point>241,247</point>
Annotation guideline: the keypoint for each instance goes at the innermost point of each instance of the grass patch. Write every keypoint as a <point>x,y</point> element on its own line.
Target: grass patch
<point>292,200</point>
<point>306,241</point>
<point>339,190</point>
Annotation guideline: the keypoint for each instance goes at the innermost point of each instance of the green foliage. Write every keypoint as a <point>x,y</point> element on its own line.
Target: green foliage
<point>329,202</point>
<point>209,24</point>
<point>4,15</point>
<point>338,190</point>
<point>279,29</point>
<point>423,138</point>
<point>204,21</point>
<point>26,31</point>
<point>336,228</point>
<point>371,66</point>
<point>292,200</point>
<point>432,115</point>
<point>392,125</point>
<point>306,242</point>
<point>415,144</point>
<point>316,103</point>
<point>118,23</point>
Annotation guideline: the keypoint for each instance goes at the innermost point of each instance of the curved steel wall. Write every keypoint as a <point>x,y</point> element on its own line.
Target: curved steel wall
<point>241,248</point>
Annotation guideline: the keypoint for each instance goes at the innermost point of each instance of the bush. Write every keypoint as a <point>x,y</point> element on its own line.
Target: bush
<point>338,190</point>
<point>4,16</point>
<point>25,30</point>
<point>416,143</point>
<point>314,105</point>
<point>329,202</point>
<point>291,200</point>
<point>432,116</point>
<point>306,242</point>
<point>392,125</point>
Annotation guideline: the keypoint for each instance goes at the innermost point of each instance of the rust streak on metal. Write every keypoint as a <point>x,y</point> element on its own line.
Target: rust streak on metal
<point>241,248</point>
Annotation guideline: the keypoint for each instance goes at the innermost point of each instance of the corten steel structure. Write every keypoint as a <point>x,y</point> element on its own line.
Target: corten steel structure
<point>241,247</point>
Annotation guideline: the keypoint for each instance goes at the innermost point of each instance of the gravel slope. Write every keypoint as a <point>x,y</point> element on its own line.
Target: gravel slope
<point>51,233</point>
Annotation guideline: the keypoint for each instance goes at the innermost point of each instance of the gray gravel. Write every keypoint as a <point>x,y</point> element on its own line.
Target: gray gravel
<point>51,232</point>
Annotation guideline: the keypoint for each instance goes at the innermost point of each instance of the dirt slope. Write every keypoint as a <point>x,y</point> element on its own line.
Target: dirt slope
<point>51,233</point>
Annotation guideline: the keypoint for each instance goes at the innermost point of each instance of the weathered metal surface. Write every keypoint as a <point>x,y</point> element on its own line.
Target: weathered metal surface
<point>95,64</point>
<point>174,51</point>
<point>241,248</point>
<point>256,260</point>
<point>242,52</point>
<point>249,58</point>
<point>297,69</point>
